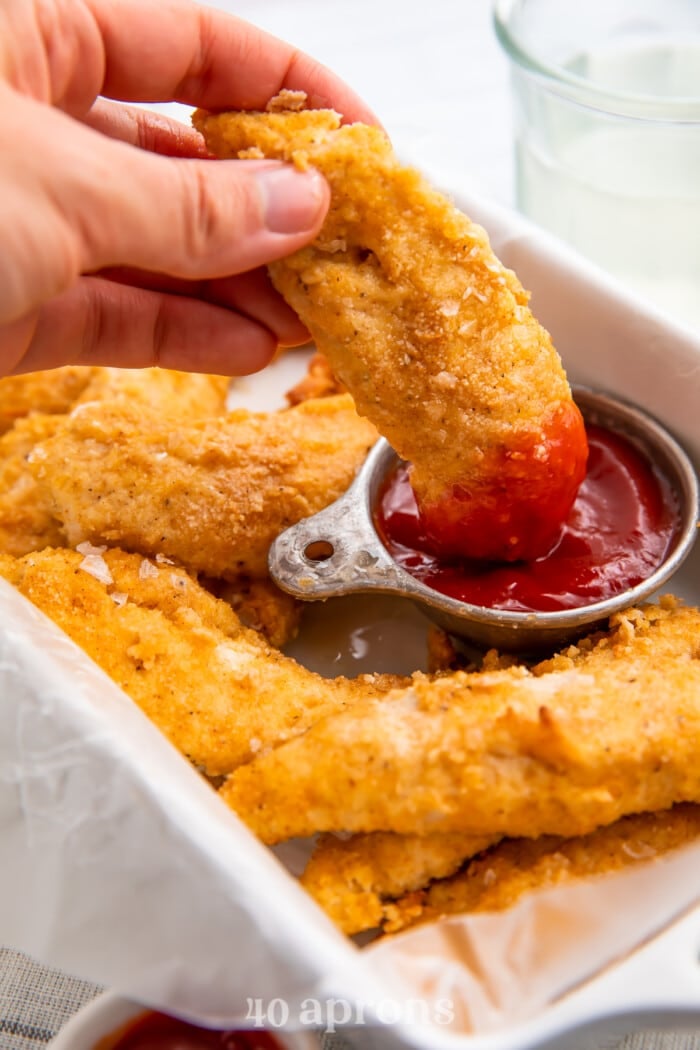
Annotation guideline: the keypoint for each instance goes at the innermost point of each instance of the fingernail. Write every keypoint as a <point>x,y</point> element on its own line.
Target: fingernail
<point>292,200</point>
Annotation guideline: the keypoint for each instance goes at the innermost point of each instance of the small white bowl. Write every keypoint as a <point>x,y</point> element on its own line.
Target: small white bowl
<point>109,1012</point>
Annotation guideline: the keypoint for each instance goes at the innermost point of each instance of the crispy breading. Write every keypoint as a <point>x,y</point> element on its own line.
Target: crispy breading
<point>26,521</point>
<point>429,332</point>
<point>319,381</point>
<point>260,604</point>
<point>50,392</point>
<point>211,493</point>
<point>186,394</point>
<point>606,730</point>
<point>217,690</point>
<point>498,878</point>
<point>58,390</point>
<point>355,879</point>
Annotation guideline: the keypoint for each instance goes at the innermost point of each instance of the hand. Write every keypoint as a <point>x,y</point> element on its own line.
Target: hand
<point>122,243</point>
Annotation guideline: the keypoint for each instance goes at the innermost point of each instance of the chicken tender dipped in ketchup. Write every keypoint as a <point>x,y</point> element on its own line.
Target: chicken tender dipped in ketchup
<point>432,336</point>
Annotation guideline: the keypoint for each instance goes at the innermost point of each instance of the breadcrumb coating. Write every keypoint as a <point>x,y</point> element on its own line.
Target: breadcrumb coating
<point>260,604</point>
<point>354,880</point>
<point>26,519</point>
<point>319,381</point>
<point>605,730</point>
<point>212,493</point>
<point>188,395</point>
<point>216,689</point>
<point>429,332</point>
<point>50,392</point>
<point>58,390</point>
<point>501,876</point>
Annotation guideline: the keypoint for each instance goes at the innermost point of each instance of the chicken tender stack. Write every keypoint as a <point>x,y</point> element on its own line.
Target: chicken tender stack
<point>430,333</point>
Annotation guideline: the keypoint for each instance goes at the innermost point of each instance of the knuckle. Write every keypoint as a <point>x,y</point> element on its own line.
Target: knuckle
<point>94,327</point>
<point>41,259</point>
<point>214,215</point>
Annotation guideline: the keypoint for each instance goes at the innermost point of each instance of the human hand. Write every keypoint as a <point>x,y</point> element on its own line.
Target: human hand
<point>122,243</point>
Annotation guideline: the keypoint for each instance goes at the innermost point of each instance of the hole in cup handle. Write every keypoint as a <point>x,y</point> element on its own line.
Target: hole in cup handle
<point>331,553</point>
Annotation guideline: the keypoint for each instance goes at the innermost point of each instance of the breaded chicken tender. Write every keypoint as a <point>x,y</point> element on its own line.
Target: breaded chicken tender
<point>216,689</point>
<point>319,381</point>
<point>355,879</point>
<point>260,604</point>
<point>432,336</point>
<point>58,390</point>
<point>31,410</point>
<point>188,395</point>
<point>607,729</point>
<point>498,878</point>
<point>26,521</point>
<point>212,493</point>
<point>51,392</point>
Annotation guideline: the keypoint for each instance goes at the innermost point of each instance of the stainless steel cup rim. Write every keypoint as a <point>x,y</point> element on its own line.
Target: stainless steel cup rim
<point>338,551</point>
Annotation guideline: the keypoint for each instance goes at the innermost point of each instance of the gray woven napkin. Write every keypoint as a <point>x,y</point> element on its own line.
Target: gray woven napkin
<point>35,1002</point>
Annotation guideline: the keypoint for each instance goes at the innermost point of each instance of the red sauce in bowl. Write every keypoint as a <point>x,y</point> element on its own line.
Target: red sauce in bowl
<point>524,492</point>
<point>155,1031</point>
<point>620,529</point>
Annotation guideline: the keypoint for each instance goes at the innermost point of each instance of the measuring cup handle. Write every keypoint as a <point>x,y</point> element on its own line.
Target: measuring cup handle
<point>337,551</point>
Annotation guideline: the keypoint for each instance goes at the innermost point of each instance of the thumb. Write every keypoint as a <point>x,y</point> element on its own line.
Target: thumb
<point>195,219</point>
<point>94,202</point>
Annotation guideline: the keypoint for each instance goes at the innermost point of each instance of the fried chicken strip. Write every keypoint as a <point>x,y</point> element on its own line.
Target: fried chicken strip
<point>498,878</point>
<point>188,395</point>
<point>50,392</point>
<point>58,390</point>
<point>319,381</point>
<point>260,604</point>
<point>212,493</point>
<point>609,728</point>
<point>431,335</point>
<point>356,880</point>
<point>26,519</point>
<point>216,689</point>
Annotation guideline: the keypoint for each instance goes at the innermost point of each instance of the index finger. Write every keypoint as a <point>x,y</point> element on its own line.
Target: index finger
<point>178,50</point>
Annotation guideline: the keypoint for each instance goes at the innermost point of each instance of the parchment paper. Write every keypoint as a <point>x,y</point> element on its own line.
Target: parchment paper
<point>119,864</point>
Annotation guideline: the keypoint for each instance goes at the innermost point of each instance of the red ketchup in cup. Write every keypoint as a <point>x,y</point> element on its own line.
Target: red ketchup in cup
<point>620,528</point>
<point>155,1031</point>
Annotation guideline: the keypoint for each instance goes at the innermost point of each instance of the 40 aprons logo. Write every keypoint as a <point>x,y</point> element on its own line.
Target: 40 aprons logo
<point>330,1014</point>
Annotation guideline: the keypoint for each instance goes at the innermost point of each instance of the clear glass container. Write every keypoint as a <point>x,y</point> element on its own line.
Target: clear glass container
<point>607,125</point>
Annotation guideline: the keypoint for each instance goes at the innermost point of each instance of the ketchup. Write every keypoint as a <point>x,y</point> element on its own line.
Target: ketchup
<point>155,1031</point>
<point>618,532</point>
<point>524,492</point>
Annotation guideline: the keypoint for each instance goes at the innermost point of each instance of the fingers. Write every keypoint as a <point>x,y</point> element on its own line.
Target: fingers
<point>178,50</point>
<point>253,295</point>
<point>250,294</point>
<point>100,322</point>
<point>194,219</point>
<point>94,202</point>
<point>150,131</point>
